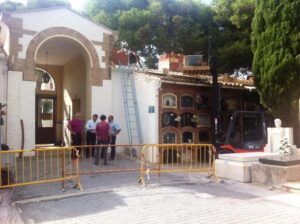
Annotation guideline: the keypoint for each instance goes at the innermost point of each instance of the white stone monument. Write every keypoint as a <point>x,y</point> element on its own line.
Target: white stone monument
<point>276,134</point>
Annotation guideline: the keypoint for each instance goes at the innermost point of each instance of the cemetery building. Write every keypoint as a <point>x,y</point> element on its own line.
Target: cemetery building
<point>55,62</point>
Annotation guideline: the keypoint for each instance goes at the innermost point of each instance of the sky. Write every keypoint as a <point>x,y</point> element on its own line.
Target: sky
<point>79,4</point>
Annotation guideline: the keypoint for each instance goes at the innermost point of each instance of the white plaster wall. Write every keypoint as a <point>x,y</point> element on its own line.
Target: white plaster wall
<point>21,98</point>
<point>24,41</point>
<point>74,83</point>
<point>108,99</point>
<point>3,78</point>
<point>4,37</point>
<point>3,89</point>
<point>147,95</point>
<point>60,17</point>
<point>101,54</point>
<point>102,98</point>
<point>38,20</point>
<point>7,44</point>
<point>118,109</point>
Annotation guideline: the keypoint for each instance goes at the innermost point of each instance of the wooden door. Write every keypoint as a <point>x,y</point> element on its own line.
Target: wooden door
<point>45,119</point>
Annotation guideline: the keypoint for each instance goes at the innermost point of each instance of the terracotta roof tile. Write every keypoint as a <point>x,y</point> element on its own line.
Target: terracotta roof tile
<point>201,79</point>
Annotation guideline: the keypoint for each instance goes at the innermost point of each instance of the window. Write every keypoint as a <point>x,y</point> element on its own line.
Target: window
<point>169,119</point>
<point>187,137</point>
<point>204,120</point>
<point>187,120</point>
<point>44,80</point>
<point>201,102</point>
<point>169,137</point>
<point>45,113</point>
<point>204,136</point>
<point>251,107</point>
<point>169,100</point>
<point>232,104</point>
<point>187,101</point>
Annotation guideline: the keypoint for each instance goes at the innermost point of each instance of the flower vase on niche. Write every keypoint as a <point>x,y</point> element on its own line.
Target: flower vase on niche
<point>196,119</point>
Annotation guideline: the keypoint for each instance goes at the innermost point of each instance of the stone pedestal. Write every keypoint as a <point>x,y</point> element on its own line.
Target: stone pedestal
<point>274,137</point>
<point>276,170</point>
<point>237,166</point>
<point>273,175</point>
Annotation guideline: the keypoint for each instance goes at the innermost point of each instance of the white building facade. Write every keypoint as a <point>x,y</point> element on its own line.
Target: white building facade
<point>55,62</point>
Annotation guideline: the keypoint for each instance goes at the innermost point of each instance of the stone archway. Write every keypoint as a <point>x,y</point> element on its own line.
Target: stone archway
<point>95,74</point>
<point>44,35</point>
<point>92,73</point>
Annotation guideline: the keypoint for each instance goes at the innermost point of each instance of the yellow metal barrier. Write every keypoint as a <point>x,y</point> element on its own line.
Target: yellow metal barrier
<point>58,164</point>
<point>126,159</point>
<point>38,166</point>
<point>174,158</point>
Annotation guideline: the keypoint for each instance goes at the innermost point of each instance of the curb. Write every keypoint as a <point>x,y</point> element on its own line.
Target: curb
<point>103,191</point>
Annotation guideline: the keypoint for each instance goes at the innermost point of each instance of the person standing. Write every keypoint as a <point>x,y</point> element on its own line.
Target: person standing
<point>114,131</point>
<point>132,60</point>
<point>132,57</point>
<point>103,138</point>
<point>91,135</point>
<point>76,127</point>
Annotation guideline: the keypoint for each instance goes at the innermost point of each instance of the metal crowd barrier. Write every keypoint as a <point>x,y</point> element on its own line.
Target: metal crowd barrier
<point>58,164</point>
<point>126,159</point>
<point>38,166</point>
<point>174,158</point>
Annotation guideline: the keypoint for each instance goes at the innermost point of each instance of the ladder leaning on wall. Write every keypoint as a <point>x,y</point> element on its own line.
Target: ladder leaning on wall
<point>130,105</point>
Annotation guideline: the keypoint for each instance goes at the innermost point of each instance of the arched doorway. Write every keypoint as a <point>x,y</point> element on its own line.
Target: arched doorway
<point>68,64</point>
<point>45,107</point>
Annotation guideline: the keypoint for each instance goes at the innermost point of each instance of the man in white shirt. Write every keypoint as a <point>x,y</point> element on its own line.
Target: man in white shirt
<point>114,131</point>
<point>91,135</point>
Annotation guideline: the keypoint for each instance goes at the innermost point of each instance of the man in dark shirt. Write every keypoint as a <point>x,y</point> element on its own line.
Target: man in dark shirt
<point>103,138</point>
<point>132,58</point>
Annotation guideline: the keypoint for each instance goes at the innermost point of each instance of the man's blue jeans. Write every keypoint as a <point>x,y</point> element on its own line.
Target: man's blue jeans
<point>103,150</point>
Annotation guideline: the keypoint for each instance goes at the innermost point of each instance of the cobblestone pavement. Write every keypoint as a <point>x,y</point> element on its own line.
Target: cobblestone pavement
<point>193,200</point>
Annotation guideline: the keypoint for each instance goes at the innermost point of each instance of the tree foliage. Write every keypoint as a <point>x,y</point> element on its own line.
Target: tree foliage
<point>11,6</point>
<point>37,4</point>
<point>276,63</point>
<point>155,26</point>
<point>234,43</point>
<point>181,26</point>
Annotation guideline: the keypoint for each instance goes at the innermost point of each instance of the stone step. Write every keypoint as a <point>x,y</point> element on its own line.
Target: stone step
<point>291,187</point>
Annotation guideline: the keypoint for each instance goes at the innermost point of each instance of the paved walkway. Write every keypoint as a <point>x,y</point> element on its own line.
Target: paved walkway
<point>184,198</point>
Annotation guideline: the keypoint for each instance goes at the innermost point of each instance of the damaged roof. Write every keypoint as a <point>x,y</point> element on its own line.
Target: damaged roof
<point>201,78</point>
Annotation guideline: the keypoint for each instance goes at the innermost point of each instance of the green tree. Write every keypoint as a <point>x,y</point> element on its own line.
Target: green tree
<point>182,26</point>
<point>276,63</point>
<point>155,26</point>
<point>10,6</point>
<point>234,42</point>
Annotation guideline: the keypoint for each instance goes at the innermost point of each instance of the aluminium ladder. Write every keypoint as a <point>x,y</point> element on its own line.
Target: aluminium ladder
<point>130,105</point>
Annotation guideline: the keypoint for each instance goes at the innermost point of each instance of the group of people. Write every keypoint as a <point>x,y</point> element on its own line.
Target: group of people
<point>100,133</point>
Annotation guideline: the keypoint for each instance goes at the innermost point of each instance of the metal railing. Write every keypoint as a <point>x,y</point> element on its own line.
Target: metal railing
<point>174,158</point>
<point>126,159</point>
<point>58,164</point>
<point>38,166</point>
